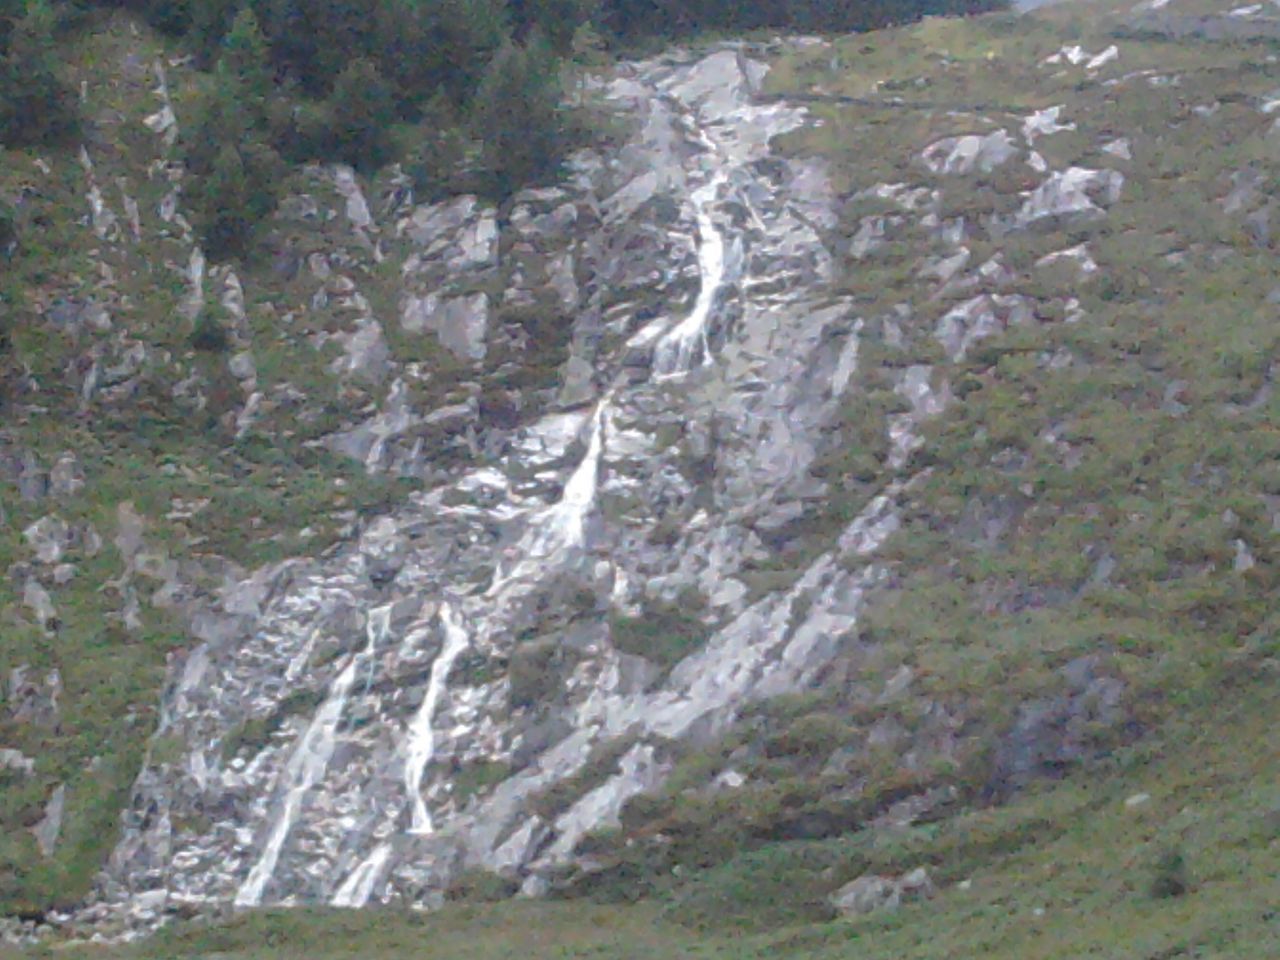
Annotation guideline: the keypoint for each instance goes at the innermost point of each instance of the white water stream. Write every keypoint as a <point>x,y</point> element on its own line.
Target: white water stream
<point>552,534</point>
<point>358,887</point>
<point>309,761</point>
<point>421,745</point>
<point>686,344</point>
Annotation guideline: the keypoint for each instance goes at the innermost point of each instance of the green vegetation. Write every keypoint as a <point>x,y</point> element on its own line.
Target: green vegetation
<point>332,80</point>
<point>35,104</point>
<point>663,633</point>
<point>1063,871</point>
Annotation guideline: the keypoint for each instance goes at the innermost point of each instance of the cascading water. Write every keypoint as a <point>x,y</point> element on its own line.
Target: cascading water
<point>422,737</point>
<point>309,761</point>
<point>358,887</point>
<point>685,345</point>
<point>496,555</point>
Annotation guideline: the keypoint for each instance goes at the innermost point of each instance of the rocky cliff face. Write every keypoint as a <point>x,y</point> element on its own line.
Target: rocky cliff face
<point>470,629</point>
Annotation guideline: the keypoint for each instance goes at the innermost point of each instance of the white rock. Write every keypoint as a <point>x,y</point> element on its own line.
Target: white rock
<point>1072,192</point>
<point>16,760</point>
<point>49,537</point>
<point>961,155</point>
<point>1119,147</point>
<point>1044,122</point>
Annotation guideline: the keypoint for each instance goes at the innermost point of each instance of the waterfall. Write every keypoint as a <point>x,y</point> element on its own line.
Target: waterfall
<point>685,344</point>
<point>563,525</point>
<point>309,761</point>
<point>358,887</point>
<point>422,736</point>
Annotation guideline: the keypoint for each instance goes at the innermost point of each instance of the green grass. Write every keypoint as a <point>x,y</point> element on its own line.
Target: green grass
<point>1064,871</point>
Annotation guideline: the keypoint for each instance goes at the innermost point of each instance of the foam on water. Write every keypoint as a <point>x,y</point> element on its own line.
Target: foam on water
<point>309,761</point>
<point>421,745</point>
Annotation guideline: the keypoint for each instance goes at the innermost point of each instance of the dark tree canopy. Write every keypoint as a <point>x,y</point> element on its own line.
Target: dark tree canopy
<point>464,92</point>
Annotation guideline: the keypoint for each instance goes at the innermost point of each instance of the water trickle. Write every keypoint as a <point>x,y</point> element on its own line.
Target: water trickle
<point>685,344</point>
<point>563,525</point>
<point>309,761</point>
<point>358,887</point>
<point>422,736</point>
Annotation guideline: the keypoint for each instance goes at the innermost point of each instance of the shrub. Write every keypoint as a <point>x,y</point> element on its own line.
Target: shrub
<point>1169,875</point>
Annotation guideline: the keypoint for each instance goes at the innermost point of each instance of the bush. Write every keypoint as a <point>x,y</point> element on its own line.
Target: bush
<point>8,232</point>
<point>238,192</point>
<point>662,634</point>
<point>481,886</point>
<point>1169,875</point>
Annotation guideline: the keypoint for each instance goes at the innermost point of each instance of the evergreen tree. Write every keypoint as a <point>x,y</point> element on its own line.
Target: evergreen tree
<point>234,174</point>
<point>517,115</point>
<point>210,21</point>
<point>471,33</point>
<point>586,50</point>
<point>35,106</point>
<point>246,57</point>
<point>363,109</point>
<point>557,20</point>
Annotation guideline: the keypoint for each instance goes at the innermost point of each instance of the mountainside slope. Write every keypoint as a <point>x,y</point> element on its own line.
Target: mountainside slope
<point>1064,871</point>
<point>883,425</point>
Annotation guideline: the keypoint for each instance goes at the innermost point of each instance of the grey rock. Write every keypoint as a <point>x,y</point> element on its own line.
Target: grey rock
<point>49,538</point>
<point>49,828</point>
<point>129,528</point>
<point>428,224</point>
<point>462,325</point>
<point>962,155</point>
<point>32,701</point>
<point>1076,191</point>
<point>66,478</point>
<point>344,180</point>
<point>16,761</point>
<point>477,244</point>
<point>242,366</point>
<point>365,354</point>
<point>33,482</point>
<point>874,894</point>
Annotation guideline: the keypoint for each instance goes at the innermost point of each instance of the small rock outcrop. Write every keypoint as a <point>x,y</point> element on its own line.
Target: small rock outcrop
<point>879,894</point>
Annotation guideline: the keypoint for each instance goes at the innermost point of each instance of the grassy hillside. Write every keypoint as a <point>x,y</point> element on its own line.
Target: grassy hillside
<point>1104,485</point>
<point>1067,870</point>
<point>206,494</point>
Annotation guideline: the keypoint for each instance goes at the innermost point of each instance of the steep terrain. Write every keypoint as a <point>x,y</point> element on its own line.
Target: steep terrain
<point>878,427</point>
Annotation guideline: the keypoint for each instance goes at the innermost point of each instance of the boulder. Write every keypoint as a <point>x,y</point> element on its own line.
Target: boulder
<point>961,155</point>
<point>49,537</point>
<point>462,325</point>
<point>17,761</point>
<point>49,828</point>
<point>1076,191</point>
<point>873,893</point>
<point>365,354</point>
<point>66,479</point>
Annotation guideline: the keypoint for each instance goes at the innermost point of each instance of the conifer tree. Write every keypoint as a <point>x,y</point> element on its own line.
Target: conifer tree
<point>234,174</point>
<point>246,57</point>
<point>363,109</point>
<point>35,106</point>
<point>517,115</point>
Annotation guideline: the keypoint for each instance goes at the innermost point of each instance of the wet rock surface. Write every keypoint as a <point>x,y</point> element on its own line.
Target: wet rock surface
<point>379,671</point>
